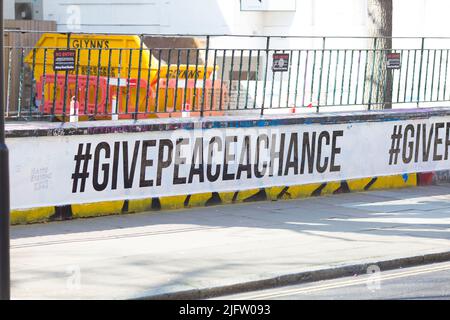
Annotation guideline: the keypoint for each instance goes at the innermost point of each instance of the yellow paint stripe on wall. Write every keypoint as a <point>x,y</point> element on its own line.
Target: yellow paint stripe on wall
<point>245,194</point>
<point>274,192</point>
<point>398,181</point>
<point>97,209</point>
<point>330,188</point>
<point>227,197</point>
<point>172,203</point>
<point>199,200</point>
<point>32,215</point>
<point>139,205</point>
<point>358,184</point>
<point>296,192</point>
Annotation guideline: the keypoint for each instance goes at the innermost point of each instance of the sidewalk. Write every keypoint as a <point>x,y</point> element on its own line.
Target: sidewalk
<point>149,254</point>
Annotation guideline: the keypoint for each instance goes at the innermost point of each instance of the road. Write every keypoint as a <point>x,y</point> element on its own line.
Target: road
<point>140,255</point>
<point>430,282</point>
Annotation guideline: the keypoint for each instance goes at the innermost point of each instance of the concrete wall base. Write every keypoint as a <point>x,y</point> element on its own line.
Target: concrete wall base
<point>47,214</point>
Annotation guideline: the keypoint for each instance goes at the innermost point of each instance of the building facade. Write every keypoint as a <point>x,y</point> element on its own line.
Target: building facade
<point>262,17</point>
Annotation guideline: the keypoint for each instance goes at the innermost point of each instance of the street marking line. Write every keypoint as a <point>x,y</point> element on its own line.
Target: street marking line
<point>348,283</point>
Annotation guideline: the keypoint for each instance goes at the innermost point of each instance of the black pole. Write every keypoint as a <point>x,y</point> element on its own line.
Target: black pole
<point>5,290</point>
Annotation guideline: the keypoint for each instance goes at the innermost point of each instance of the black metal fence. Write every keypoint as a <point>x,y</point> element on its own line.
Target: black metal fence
<point>262,75</point>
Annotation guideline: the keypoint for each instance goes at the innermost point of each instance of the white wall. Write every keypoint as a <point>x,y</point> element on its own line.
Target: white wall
<point>355,151</point>
<point>422,18</point>
<point>211,16</point>
<point>312,17</point>
<point>8,9</point>
<point>106,15</point>
<point>154,16</point>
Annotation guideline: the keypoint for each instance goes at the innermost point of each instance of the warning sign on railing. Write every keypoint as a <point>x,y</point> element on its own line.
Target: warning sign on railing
<point>393,61</point>
<point>64,60</point>
<point>280,62</point>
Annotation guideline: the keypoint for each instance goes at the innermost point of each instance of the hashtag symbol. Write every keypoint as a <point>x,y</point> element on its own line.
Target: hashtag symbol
<point>396,138</point>
<point>82,158</point>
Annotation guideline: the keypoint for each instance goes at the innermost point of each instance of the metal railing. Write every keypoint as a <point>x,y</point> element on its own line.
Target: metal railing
<point>259,75</point>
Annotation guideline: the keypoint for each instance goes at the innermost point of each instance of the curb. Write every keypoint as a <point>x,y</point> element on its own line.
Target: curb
<point>299,278</point>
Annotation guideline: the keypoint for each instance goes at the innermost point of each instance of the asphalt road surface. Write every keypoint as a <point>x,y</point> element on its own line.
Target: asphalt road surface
<point>430,282</point>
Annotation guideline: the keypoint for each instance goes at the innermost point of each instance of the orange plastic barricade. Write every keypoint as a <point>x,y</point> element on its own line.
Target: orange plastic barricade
<point>186,97</point>
<point>51,94</point>
<point>91,94</point>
